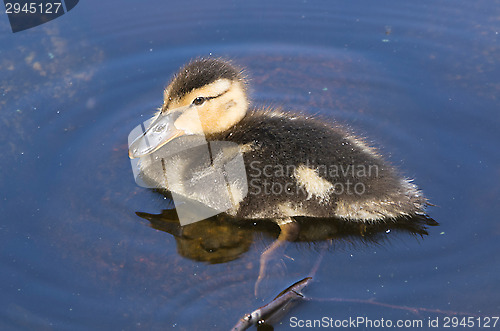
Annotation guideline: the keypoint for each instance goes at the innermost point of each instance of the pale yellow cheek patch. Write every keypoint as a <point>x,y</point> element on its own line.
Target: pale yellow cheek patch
<point>211,90</point>
<point>314,185</point>
<point>190,122</point>
<point>225,111</point>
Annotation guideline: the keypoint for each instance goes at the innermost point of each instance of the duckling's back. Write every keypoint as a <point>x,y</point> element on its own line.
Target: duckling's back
<point>300,166</point>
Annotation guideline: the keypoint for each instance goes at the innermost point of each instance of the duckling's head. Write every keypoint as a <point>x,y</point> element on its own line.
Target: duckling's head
<point>206,96</point>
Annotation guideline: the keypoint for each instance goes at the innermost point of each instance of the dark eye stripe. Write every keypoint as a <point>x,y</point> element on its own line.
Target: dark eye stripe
<point>200,100</point>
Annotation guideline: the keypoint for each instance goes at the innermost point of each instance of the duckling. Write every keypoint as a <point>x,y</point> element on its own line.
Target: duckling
<point>296,165</point>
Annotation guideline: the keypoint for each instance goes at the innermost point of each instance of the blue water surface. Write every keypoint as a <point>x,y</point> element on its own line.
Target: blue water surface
<point>420,79</point>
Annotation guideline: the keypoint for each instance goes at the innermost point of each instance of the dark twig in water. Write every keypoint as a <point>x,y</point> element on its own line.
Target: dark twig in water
<point>281,304</point>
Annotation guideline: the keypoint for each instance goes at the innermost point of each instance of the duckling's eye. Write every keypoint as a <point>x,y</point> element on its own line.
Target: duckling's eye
<point>198,101</point>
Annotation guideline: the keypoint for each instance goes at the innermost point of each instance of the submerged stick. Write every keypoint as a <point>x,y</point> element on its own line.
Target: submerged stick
<point>280,305</point>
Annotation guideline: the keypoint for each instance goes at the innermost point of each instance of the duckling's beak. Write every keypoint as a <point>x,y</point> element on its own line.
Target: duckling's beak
<point>161,131</point>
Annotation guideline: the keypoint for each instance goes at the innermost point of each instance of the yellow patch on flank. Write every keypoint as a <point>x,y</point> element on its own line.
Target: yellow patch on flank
<point>314,185</point>
<point>287,209</point>
<point>367,211</point>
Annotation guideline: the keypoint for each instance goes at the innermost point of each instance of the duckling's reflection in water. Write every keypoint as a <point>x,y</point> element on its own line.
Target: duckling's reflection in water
<point>222,239</point>
<point>214,240</point>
